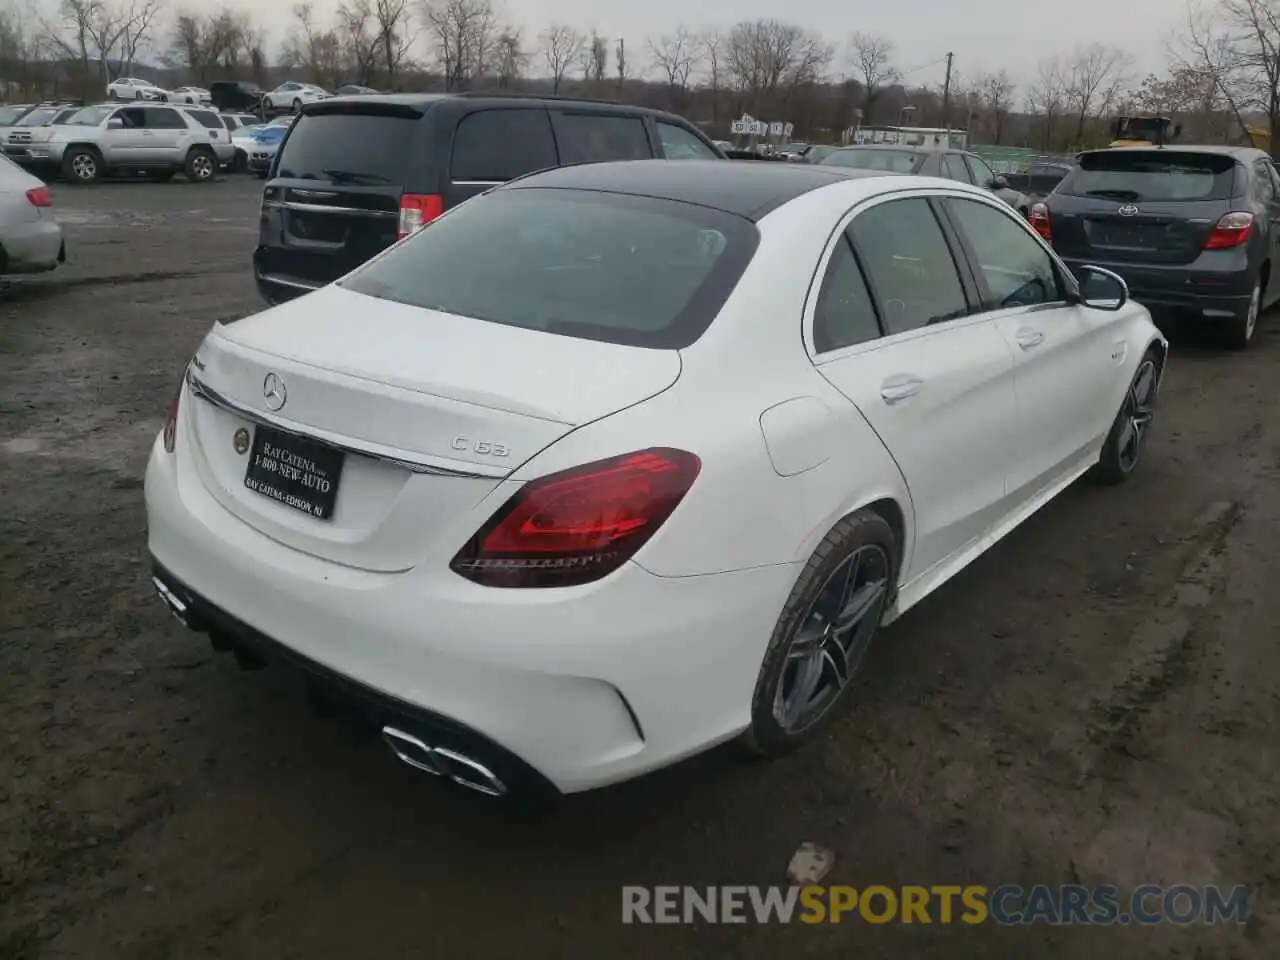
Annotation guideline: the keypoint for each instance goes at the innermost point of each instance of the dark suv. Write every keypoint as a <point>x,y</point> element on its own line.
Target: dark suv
<point>235,96</point>
<point>1190,229</point>
<point>353,175</point>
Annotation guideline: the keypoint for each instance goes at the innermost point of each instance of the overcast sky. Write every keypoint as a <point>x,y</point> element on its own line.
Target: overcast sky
<point>983,34</point>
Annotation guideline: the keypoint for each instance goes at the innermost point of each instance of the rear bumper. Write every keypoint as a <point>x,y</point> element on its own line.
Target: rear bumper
<point>1182,288</point>
<point>587,686</point>
<point>32,247</point>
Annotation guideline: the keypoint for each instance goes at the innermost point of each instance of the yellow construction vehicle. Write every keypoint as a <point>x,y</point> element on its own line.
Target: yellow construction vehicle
<point>1144,131</point>
<point>1259,137</point>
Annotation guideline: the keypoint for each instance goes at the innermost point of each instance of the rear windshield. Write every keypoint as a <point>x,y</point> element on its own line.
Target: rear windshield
<point>895,161</point>
<point>208,118</point>
<point>364,149</point>
<point>598,266</point>
<point>1129,175</point>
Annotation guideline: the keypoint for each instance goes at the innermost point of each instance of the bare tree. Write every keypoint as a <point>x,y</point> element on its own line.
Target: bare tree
<point>1094,77</point>
<point>620,62</point>
<point>394,26</point>
<point>89,30</point>
<point>675,54</point>
<point>510,58</point>
<point>359,38</point>
<point>595,59</point>
<point>711,46</point>
<point>759,54</point>
<point>1047,96</point>
<point>139,21</point>
<point>995,95</point>
<point>1236,44</point>
<point>561,46</point>
<point>316,50</point>
<point>873,64</point>
<point>465,36</point>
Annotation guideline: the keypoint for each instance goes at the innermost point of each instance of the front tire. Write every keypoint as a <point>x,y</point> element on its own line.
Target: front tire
<point>1128,436</point>
<point>81,165</point>
<point>829,621</point>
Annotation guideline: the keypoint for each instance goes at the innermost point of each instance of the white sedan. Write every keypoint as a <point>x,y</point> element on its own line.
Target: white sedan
<point>195,96</point>
<point>624,460</point>
<point>293,96</point>
<point>131,88</point>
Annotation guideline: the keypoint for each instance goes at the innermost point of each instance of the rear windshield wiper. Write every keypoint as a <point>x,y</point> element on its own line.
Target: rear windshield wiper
<point>350,176</point>
<point>1129,195</point>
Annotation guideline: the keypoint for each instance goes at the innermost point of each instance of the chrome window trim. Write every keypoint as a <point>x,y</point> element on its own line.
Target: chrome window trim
<point>436,468</point>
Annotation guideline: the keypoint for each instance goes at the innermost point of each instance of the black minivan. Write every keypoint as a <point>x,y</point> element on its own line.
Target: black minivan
<point>354,175</point>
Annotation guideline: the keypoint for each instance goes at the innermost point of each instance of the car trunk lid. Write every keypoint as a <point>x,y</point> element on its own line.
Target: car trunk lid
<point>358,430</point>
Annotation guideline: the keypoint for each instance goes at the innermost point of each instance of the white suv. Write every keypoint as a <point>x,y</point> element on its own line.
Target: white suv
<point>131,88</point>
<point>156,139</point>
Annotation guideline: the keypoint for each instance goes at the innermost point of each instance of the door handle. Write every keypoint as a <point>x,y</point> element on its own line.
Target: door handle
<point>897,389</point>
<point>1027,339</point>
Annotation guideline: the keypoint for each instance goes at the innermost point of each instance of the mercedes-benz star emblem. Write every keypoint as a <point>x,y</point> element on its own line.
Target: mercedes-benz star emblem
<point>274,392</point>
<point>1128,210</point>
<point>241,441</point>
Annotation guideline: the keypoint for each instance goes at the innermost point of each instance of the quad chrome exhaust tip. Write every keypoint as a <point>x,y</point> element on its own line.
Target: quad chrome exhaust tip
<point>172,601</point>
<point>440,762</point>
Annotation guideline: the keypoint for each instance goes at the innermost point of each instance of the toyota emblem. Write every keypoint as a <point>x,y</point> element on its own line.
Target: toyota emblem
<point>1128,210</point>
<point>274,392</point>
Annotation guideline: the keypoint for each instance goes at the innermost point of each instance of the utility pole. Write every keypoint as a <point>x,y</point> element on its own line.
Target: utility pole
<point>946,99</point>
<point>621,59</point>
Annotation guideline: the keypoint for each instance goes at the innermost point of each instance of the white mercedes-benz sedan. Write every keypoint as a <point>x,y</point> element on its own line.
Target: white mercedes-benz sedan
<point>619,461</point>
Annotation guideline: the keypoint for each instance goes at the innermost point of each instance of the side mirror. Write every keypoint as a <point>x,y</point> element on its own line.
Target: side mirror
<point>1101,289</point>
<point>998,183</point>
<point>115,123</point>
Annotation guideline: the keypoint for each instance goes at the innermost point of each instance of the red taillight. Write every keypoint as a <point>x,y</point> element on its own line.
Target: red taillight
<point>1038,217</point>
<point>40,197</point>
<point>171,423</point>
<point>417,210</point>
<point>578,525</point>
<point>1230,231</point>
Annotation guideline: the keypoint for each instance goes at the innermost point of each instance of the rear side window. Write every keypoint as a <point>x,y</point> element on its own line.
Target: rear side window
<point>207,118</point>
<point>164,118</point>
<point>493,146</point>
<point>349,148</point>
<point>599,266</point>
<point>845,314</point>
<point>895,161</point>
<point>679,144</point>
<point>1135,175</point>
<point>587,138</point>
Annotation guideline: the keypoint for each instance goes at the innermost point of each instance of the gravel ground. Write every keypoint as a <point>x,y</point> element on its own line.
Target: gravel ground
<point>1094,701</point>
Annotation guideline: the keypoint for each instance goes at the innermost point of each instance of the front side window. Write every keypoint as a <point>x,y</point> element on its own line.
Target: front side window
<point>593,138</point>
<point>909,265</point>
<point>636,271</point>
<point>982,173</point>
<point>680,144</point>
<point>1016,269</point>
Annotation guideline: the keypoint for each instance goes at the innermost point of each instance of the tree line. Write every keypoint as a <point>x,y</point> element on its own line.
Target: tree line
<point>1223,70</point>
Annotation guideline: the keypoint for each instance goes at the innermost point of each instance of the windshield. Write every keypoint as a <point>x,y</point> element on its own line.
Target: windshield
<point>89,116</point>
<point>1153,175</point>
<point>895,161</point>
<point>342,146</point>
<point>39,117</point>
<point>9,114</point>
<point>628,270</point>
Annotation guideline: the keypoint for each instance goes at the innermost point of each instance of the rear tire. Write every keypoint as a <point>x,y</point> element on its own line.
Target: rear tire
<point>829,621</point>
<point>200,166</point>
<point>1239,330</point>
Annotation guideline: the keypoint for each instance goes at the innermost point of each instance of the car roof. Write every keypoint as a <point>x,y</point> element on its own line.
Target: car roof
<point>749,189</point>
<point>902,147</point>
<point>424,101</point>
